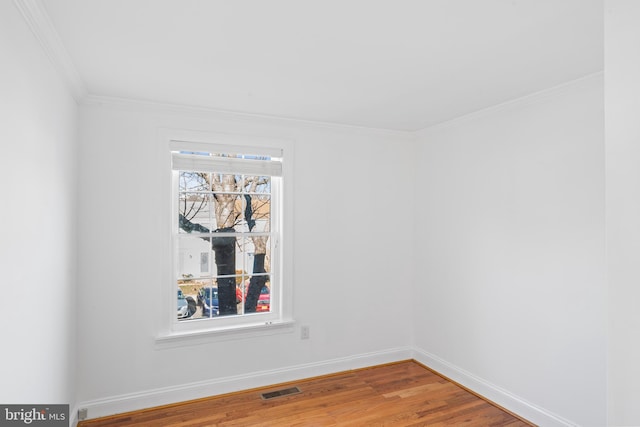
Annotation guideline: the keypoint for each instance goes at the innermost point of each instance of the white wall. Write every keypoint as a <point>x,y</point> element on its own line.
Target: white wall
<point>37,232</point>
<point>510,277</point>
<point>622,103</point>
<point>352,281</point>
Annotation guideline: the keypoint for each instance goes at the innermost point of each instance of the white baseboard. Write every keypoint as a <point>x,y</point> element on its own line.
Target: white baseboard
<point>168,395</point>
<point>492,392</point>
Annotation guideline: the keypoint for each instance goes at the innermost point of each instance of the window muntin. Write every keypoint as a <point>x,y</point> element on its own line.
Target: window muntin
<point>226,211</point>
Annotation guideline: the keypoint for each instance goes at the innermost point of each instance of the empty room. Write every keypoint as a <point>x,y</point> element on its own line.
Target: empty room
<point>425,203</point>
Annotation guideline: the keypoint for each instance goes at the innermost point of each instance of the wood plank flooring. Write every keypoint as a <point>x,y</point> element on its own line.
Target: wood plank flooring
<point>400,394</point>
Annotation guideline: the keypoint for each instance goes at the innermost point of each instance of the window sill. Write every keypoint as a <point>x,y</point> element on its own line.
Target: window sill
<point>207,336</point>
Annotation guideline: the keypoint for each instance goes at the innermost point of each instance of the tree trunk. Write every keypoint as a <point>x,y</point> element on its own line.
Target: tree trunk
<point>256,283</point>
<point>225,252</point>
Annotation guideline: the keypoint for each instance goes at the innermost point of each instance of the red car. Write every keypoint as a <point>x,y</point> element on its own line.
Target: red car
<point>264,300</point>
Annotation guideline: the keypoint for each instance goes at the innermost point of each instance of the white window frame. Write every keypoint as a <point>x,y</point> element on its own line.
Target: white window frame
<point>280,317</point>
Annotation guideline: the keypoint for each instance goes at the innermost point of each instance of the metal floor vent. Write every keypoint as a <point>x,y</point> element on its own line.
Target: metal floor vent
<point>280,393</point>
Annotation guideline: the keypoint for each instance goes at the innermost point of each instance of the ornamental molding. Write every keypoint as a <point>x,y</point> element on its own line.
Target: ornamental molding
<point>38,20</point>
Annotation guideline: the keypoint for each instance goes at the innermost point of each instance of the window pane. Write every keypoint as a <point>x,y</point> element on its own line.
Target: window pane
<point>189,257</point>
<point>225,255</point>
<point>194,213</point>
<point>193,181</point>
<point>208,301</point>
<point>256,214</point>
<point>257,203</point>
<point>190,298</point>
<point>194,201</point>
<point>226,200</point>
<point>261,213</point>
<point>257,184</point>
<point>253,254</point>
<point>258,295</point>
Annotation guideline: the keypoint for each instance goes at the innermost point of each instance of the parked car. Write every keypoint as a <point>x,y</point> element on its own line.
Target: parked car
<point>208,300</point>
<point>264,300</point>
<point>186,306</point>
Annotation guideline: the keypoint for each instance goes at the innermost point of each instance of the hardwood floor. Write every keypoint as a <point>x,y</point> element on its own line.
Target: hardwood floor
<point>399,394</point>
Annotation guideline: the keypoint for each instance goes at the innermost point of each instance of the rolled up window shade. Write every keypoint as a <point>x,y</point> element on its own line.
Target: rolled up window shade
<point>231,165</point>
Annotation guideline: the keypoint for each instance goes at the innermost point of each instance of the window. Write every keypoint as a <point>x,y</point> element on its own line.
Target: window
<point>204,262</point>
<point>227,235</point>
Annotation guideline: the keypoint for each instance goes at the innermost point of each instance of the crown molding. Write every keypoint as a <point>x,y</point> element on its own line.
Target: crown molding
<point>40,24</point>
<point>529,99</point>
<point>213,113</point>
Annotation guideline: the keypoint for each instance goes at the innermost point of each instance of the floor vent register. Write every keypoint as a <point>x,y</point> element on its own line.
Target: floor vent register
<point>280,393</point>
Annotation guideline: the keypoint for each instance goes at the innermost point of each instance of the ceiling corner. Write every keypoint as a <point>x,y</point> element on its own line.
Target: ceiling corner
<point>40,24</point>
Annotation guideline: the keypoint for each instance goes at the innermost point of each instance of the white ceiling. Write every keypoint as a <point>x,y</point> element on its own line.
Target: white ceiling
<point>391,64</point>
